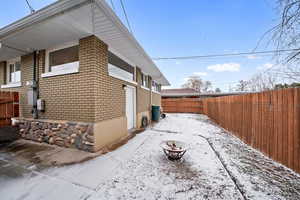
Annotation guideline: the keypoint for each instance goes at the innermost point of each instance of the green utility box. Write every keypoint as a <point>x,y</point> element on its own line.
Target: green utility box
<point>155,113</point>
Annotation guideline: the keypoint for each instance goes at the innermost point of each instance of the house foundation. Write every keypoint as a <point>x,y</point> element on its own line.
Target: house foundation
<point>65,134</point>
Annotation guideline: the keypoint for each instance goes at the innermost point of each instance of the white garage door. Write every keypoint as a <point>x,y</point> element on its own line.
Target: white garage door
<point>130,106</point>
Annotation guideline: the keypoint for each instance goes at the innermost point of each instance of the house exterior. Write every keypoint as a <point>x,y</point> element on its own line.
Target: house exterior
<point>84,81</point>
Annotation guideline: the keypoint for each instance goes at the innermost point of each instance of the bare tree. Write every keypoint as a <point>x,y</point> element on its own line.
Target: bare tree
<point>197,84</point>
<point>242,86</point>
<point>261,82</point>
<point>218,90</point>
<point>207,85</point>
<point>194,82</point>
<point>286,35</point>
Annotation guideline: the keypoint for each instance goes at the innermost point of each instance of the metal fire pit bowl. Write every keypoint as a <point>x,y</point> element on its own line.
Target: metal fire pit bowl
<point>173,149</point>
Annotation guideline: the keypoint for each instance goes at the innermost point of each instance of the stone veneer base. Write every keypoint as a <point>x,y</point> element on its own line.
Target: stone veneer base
<point>77,135</point>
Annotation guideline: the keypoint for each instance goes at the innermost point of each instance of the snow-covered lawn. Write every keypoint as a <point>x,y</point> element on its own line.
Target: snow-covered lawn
<point>217,166</point>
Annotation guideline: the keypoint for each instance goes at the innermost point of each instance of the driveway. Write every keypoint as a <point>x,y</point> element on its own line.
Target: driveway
<point>217,166</point>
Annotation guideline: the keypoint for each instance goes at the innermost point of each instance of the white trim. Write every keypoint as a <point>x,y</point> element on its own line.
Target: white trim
<point>156,92</point>
<point>11,85</point>
<point>62,46</point>
<point>123,79</point>
<point>40,15</point>
<point>62,72</point>
<point>121,74</point>
<point>145,88</point>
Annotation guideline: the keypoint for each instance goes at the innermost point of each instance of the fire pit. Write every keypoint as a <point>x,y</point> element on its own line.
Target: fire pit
<point>173,149</point>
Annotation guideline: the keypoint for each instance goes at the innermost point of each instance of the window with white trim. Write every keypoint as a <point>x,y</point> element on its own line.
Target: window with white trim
<point>155,86</point>
<point>13,71</point>
<point>62,60</point>
<point>145,81</point>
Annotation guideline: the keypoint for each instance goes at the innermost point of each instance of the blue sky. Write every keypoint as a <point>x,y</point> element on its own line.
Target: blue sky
<point>171,28</point>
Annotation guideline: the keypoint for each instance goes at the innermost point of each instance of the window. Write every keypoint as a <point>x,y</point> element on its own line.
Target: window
<point>59,59</point>
<point>145,81</point>
<point>120,69</point>
<point>63,60</point>
<point>12,75</point>
<point>14,72</point>
<point>119,62</point>
<point>155,86</point>
<point>119,73</point>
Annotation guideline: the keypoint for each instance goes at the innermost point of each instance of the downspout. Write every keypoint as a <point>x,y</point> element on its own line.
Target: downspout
<point>34,87</point>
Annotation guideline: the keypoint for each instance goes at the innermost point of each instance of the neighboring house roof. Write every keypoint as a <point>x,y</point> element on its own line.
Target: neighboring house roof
<point>67,20</point>
<point>180,91</point>
<point>189,92</point>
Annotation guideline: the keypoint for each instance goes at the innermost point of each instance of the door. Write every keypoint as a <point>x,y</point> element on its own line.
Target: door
<point>130,106</point>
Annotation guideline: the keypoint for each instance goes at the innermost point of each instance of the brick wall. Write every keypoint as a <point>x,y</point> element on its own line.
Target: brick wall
<point>71,96</point>
<point>109,91</point>
<point>143,95</point>
<point>156,99</point>
<point>68,97</point>
<point>88,96</point>
<point>143,100</point>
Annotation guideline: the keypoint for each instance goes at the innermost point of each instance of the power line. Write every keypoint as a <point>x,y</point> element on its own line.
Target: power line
<point>30,7</point>
<point>225,55</point>
<point>127,20</point>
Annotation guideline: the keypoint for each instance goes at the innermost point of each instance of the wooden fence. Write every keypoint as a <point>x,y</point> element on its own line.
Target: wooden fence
<point>9,107</point>
<point>268,121</point>
<point>182,105</point>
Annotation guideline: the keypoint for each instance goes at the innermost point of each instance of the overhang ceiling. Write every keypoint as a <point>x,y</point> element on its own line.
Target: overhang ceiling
<point>70,20</point>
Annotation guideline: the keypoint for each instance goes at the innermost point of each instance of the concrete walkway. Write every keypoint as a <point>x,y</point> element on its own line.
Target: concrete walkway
<point>217,166</point>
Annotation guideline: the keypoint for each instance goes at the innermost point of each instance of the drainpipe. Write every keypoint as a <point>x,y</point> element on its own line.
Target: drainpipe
<point>34,87</point>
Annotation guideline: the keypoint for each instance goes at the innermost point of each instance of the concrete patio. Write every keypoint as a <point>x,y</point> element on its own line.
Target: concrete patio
<point>217,166</point>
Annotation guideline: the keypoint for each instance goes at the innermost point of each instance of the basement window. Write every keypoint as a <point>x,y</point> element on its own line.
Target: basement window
<point>62,60</point>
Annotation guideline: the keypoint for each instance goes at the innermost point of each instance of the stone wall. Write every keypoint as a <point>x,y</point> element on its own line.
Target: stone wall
<point>64,134</point>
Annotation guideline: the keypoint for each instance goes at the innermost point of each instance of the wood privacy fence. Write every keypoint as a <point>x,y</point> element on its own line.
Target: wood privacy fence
<point>182,105</point>
<point>9,107</point>
<point>268,121</point>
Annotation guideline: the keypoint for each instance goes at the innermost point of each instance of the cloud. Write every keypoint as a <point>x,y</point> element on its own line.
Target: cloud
<point>253,57</point>
<point>226,67</point>
<point>186,79</point>
<point>177,63</point>
<point>200,73</point>
<point>265,66</point>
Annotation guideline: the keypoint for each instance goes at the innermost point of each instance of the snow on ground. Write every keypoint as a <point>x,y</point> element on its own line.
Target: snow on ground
<point>217,166</point>
<point>258,176</point>
<point>150,175</point>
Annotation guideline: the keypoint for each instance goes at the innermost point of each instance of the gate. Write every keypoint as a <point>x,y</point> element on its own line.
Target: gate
<point>9,107</point>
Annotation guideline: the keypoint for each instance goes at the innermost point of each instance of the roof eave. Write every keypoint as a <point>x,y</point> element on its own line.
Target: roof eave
<point>60,7</point>
<point>114,18</point>
<point>41,15</point>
